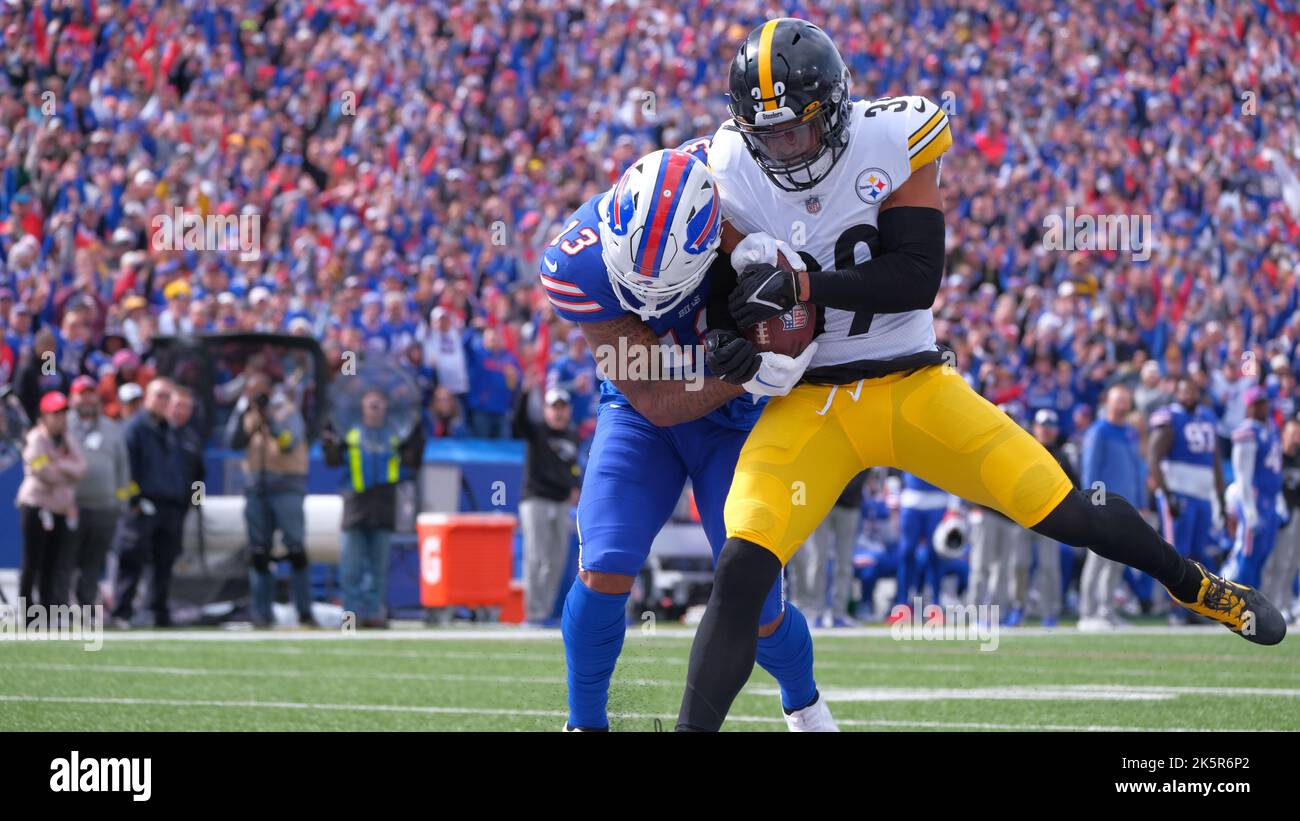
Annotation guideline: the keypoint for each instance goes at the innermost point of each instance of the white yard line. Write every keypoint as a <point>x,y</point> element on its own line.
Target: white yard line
<point>508,633</point>
<point>207,672</point>
<point>1053,692</point>
<point>556,654</point>
<point>1010,692</point>
<point>560,714</point>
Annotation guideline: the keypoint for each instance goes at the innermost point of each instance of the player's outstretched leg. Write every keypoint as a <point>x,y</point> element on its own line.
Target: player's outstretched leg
<point>727,636</point>
<point>1116,531</point>
<point>593,626</point>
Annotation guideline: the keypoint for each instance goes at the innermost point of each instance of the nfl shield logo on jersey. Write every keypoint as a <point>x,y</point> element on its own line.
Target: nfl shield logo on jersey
<point>813,204</point>
<point>873,186</point>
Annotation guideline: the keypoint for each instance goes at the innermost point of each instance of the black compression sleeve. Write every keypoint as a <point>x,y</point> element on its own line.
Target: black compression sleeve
<point>726,642</point>
<point>722,281</point>
<point>905,277</point>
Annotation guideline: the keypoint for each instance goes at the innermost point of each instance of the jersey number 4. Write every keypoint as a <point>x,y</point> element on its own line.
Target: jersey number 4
<point>845,258</point>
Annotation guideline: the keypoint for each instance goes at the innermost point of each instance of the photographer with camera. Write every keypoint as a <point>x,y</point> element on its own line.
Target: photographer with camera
<point>270,430</point>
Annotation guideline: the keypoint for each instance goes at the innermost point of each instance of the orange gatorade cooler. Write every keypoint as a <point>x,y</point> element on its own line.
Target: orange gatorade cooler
<point>465,558</point>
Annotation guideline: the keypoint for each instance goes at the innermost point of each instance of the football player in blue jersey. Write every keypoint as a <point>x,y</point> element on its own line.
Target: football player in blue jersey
<point>921,506</point>
<point>1257,468</point>
<point>634,266</point>
<point>1187,474</point>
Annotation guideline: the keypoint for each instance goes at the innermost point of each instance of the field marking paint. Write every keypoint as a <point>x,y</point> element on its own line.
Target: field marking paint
<point>469,655</point>
<point>1057,692</point>
<point>209,672</point>
<point>1051,692</point>
<point>505,633</point>
<point>515,713</point>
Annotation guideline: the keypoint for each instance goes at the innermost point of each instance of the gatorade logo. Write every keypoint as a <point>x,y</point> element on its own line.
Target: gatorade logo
<point>431,561</point>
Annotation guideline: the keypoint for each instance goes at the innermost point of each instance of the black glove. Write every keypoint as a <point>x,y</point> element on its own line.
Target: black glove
<point>731,358</point>
<point>762,292</point>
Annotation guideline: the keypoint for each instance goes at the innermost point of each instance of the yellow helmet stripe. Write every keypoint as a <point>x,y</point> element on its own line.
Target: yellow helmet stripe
<point>765,64</point>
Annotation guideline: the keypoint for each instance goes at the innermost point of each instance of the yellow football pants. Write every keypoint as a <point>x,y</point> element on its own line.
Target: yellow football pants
<point>930,423</point>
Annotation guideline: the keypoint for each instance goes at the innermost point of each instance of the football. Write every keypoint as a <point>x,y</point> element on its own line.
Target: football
<point>788,333</point>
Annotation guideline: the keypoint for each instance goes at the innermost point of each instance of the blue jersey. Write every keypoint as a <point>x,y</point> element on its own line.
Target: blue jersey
<point>914,482</point>
<point>1267,479</point>
<point>578,285</point>
<point>918,494</point>
<point>1189,466</point>
<point>1194,439</point>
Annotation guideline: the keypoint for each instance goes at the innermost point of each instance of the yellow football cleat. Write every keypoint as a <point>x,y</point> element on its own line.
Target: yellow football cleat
<point>1241,609</point>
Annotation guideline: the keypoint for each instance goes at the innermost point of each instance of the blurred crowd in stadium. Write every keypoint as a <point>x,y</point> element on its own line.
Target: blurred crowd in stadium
<point>408,160</point>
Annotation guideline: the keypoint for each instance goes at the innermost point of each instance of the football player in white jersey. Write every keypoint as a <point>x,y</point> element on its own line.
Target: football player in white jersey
<point>854,187</point>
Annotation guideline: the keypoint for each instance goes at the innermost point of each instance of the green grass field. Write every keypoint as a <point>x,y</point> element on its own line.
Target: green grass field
<point>464,679</point>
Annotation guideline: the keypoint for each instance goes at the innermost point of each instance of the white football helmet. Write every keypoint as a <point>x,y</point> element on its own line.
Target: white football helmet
<point>660,228</point>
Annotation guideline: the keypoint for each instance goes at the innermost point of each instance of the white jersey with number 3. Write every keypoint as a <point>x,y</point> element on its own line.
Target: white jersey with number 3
<point>833,224</point>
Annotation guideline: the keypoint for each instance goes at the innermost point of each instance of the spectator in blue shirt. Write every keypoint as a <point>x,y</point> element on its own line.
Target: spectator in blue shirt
<point>575,374</point>
<point>493,377</point>
<point>1111,464</point>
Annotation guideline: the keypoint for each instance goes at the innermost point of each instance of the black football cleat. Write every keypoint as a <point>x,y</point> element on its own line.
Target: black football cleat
<point>1241,609</point>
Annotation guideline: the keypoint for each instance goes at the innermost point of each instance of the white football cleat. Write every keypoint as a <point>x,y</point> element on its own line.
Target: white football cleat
<point>815,718</point>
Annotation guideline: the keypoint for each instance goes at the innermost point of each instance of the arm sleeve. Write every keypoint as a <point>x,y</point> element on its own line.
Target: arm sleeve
<point>906,277</point>
<point>722,281</point>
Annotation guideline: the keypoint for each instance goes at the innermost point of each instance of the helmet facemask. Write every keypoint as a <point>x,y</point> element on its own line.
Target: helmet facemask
<point>642,293</point>
<point>797,153</point>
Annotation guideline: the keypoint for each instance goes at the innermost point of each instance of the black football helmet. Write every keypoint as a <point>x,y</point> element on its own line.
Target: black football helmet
<point>789,97</point>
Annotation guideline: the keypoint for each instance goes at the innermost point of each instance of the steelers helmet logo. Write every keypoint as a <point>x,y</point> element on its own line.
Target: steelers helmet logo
<point>873,185</point>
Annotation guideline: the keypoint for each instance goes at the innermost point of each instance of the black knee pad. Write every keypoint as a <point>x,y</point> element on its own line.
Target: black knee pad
<point>298,558</point>
<point>744,574</point>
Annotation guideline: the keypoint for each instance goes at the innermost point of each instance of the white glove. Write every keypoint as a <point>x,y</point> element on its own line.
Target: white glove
<point>778,374</point>
<point>758,248</point>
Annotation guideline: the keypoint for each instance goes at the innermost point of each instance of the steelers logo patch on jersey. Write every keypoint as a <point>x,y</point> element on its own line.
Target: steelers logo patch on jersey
<point>873,185</point>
